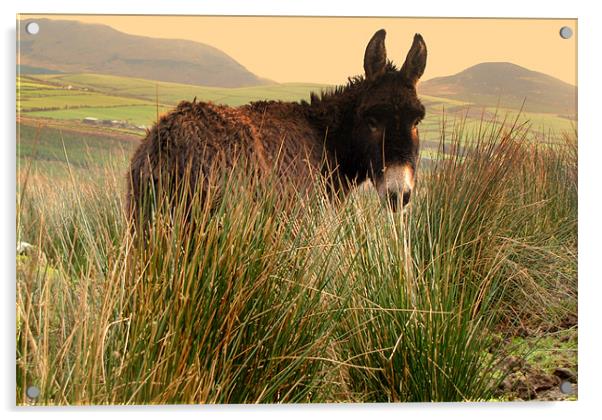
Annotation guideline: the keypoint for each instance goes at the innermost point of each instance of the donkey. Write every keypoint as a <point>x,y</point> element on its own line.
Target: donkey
<point>365,130</point>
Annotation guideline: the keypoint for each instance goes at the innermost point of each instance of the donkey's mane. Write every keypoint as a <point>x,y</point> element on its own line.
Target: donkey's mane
<point>354,83</point>
<point>329,107</point>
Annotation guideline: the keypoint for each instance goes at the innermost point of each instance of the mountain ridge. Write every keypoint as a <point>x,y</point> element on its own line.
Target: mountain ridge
<point>71,46</point>
<point>507,85</point>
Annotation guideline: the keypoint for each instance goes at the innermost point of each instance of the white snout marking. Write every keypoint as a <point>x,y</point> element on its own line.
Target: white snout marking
<point>397,178</point>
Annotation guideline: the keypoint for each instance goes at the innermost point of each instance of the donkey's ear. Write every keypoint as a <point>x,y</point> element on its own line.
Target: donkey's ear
<point>413,68</point>
<point>375,58</point>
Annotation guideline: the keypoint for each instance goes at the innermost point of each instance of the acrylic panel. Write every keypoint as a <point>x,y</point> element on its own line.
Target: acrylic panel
<point>231,209</point>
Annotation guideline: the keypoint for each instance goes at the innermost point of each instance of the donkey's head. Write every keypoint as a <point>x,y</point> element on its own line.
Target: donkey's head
<point>388,111</point>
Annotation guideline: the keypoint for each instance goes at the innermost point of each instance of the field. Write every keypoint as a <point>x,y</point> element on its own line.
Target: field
<point>137,101</point>
<point>470,295</point>
<point>172,93</point>
<point>54,150</point>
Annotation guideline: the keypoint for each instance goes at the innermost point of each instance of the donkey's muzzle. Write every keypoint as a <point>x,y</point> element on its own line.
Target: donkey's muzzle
<point>395,187</point>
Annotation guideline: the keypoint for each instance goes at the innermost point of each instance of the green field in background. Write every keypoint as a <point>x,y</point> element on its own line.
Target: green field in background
<point>50,150</point>
<point>173,93</point>
<point>137,114</point>
<point>74,97</point>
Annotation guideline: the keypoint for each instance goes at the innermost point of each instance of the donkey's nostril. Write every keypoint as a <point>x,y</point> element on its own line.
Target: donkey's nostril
<point>406,197</point>
<point>394,197</point>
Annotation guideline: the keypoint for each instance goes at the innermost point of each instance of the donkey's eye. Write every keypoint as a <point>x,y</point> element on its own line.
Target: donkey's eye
<point>372,124</point>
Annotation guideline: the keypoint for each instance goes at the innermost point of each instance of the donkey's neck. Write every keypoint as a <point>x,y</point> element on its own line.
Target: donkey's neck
<point>333,114</point>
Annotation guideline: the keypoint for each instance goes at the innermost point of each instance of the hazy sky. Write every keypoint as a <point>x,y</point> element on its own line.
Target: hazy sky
<point>328,50</point>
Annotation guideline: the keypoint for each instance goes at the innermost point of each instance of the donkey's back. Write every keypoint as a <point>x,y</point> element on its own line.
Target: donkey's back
<point>199,140</point>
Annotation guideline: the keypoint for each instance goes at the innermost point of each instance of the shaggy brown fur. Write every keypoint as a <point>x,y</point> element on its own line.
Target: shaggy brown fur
<point>352,133</point>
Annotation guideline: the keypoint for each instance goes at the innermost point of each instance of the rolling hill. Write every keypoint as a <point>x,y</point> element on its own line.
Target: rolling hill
<point>506,84</point>
<point>74,97</point>
<point>100,118</point>
<point>75,47</point>
<point>77,96</point>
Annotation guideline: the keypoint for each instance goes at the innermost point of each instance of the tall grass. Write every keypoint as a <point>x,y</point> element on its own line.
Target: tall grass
<point>480,247</point>
<point>276,296</point>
